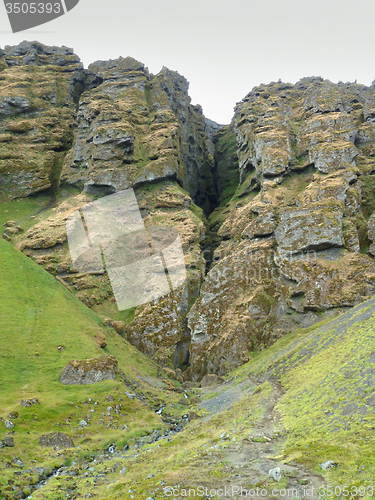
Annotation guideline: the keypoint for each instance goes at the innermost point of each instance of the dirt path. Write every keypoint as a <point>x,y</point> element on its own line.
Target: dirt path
<point>251,459</point>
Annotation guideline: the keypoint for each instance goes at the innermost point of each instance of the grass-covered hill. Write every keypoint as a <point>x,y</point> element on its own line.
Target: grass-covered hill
<point>274,324</point>
<point>304,401</point>
<point>43,327</point>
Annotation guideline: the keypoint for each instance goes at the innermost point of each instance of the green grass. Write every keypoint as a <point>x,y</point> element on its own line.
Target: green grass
<point>328,405</point>
<point>22,209</point>
<point>38,315</point>
<point>41,315</point>
<point>227,160</point>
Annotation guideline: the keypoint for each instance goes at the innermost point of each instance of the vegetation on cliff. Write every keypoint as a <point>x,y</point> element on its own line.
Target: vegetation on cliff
<point>276,217</point>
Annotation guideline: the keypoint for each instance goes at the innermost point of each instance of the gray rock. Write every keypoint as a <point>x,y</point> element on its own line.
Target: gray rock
<point>18,462</point>
<point>328,465</point>
<point>371,233</point>
<point>59,439</point>
<point>14,106</point>
<point>310,229</point>
<point>130,395</point>
<point>275,474</point>
<point>210,379</point>
<point>37,54</point>
<point>83,423</point>
<point>25,403</point>
<point>89,371</point>
<point>9,424</point>
<point>123,471</point>
<point>8,442</point>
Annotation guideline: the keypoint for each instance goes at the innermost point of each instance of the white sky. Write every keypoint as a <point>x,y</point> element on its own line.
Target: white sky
<point>223,48</point>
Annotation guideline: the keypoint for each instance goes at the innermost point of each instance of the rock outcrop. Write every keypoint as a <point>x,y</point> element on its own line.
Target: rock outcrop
<point>136,128</point>
<point>89,371</point>
<point>275,211</point>
<point>294,234</point>
<point>39,89</point>
<point>59,439</point>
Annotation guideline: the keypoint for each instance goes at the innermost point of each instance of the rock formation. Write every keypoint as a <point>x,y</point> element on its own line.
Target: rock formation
<point>89,371</point>
<point>274,211</point>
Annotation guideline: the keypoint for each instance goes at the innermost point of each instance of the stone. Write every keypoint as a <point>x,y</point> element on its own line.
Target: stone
<point>8,424</point>
<point>183,401</point>
<point>275,474</point>
<point>328,465</point>
<point>89,371</point>
<point>310,228</point>
<point>109,397</point>
<point>119,327</point>
<point>371,233</point>
<point>171,374</point>
<point>17,461</point>
<point>123,471</point>
<point>288,250</point>
<point>53,439</point>
<point>130,395</point>
<point>192,415</point>
<point>13,415</point>
<point>29,114</point>
<point>83,423</point>
<point>210,379</point>
<point>8,441</point>
<point>25,403</point>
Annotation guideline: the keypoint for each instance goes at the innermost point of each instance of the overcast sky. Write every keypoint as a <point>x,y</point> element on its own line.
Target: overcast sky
<point>223,48</point>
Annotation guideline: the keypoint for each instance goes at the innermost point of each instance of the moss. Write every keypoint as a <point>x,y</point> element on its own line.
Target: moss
<point>226,164</point>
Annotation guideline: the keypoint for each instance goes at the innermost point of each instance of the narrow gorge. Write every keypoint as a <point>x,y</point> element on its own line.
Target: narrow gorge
<point>275,212</point>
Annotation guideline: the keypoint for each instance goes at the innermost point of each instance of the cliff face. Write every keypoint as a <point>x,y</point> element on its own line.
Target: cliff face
<point>134,128</point>
<point>274,211</point>
<point>296,234</point>
<point>39,88</point>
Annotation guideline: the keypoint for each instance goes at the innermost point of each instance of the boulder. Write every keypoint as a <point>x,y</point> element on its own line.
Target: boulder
<point>89,371</point>
<point>371,234</point>
<point>210,379</point>
<point>8,442</point>
<point>311,228</point>
<point>275,474</point>
<point>59,439</point>
<point>328,465</point>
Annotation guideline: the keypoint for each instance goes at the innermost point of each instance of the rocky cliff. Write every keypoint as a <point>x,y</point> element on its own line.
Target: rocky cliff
<point>275,210</point>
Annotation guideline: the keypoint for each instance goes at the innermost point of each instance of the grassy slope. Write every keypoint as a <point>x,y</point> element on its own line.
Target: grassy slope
<point>329,405</point>
<point>327,413</point>
<point>37,315</point>
<point>327,410</point>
